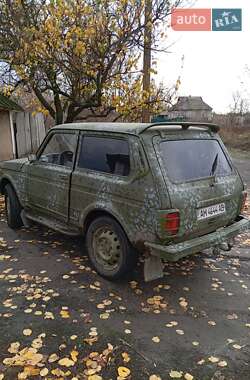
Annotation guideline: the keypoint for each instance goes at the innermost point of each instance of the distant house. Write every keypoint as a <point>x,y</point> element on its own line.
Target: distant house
<point>188,108</point>
<point>20,132</point>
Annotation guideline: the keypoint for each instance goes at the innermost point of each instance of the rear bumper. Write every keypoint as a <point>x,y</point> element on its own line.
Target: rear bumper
<point>176,251</point>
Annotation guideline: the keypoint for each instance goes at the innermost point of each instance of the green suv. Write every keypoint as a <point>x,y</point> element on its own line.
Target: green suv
<point>167,190</point>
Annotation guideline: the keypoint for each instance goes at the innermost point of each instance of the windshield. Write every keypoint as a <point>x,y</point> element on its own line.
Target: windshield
<point>186,160</point>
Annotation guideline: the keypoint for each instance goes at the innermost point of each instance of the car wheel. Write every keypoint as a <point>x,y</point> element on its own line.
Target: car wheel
<point>109,249</point>
<point>12,208</point>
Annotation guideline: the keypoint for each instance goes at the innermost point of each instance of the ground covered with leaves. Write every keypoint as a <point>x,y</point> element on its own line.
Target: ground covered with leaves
<point>60,320</point>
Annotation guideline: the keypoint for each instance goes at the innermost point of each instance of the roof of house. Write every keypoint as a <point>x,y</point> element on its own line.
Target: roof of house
<point>191,103</point>
<point>133,128</point>
<point>8,104</point>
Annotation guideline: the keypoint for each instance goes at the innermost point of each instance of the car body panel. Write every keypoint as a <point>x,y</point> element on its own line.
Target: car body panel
<point>132,200</point>
<point>190,196</point>
<point>174,252</point>
<point>137,201</point>
<point>48,189</point>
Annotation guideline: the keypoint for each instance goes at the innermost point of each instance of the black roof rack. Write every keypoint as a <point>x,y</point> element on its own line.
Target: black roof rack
<point>185,125</point>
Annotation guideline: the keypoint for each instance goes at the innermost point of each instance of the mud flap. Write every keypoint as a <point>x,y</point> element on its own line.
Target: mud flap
<point>153,268</point>
<point>26,222</point>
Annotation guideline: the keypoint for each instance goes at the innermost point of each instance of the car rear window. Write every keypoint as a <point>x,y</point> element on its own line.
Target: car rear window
<point>103,154</point>
<point>187,160</point>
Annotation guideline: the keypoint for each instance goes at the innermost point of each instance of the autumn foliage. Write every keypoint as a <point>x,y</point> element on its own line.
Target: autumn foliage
<point>77,55</point>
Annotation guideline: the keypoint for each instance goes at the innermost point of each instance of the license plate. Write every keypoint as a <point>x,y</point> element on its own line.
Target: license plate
<point>209,212</point>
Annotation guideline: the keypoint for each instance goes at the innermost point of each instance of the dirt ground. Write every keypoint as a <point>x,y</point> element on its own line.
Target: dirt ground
<point>60,320</point>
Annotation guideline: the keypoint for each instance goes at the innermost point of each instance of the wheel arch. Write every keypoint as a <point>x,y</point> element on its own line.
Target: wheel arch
<point>98,212</point>
<point>6,181</point>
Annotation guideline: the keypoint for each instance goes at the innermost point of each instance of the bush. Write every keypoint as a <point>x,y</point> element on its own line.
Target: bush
<point>236,137</point>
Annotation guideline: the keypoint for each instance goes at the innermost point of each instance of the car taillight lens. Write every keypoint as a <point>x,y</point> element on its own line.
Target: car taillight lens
<point>171,223</point>
<point>244,205</point>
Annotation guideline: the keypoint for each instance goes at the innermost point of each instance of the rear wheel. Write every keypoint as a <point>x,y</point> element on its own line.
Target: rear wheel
<point>109,250</point>
<point>12,208</point>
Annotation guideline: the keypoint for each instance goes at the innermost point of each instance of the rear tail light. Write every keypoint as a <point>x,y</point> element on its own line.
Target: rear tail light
<point>244,205</point>
<point>171,222</point>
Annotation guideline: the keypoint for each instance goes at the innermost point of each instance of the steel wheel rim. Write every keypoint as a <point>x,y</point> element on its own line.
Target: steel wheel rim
<point>106,247</point>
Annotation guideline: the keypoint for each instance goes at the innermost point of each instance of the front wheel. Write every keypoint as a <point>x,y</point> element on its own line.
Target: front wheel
<point>12,208</point>
<point>108,248</point>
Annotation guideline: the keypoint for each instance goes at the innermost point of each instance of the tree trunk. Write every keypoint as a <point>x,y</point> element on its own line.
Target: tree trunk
<point>147,57</point>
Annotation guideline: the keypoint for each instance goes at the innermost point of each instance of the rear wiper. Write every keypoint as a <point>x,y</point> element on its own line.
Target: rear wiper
<point>215,164</point>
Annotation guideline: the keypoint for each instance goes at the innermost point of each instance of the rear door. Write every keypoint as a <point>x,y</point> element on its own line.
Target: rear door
<point>49,176</point>
<point>202,183</point>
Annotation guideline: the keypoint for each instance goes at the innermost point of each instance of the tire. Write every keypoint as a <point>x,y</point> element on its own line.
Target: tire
<point>12,208</point>
<point>109,249</point>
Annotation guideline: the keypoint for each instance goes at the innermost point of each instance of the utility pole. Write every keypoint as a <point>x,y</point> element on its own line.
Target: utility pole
<point>147,56</point>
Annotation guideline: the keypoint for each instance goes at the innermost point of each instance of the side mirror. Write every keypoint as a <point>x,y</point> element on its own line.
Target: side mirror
<point>32,157</point>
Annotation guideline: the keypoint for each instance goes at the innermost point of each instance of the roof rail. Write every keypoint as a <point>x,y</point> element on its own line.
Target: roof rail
<point>185,125</point>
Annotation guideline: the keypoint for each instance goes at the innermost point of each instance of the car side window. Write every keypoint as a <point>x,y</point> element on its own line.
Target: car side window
<point>60,149</point>
<point>104,154</point>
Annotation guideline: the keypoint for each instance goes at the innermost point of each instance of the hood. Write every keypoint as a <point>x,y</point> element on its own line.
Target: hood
<point>15,165</point>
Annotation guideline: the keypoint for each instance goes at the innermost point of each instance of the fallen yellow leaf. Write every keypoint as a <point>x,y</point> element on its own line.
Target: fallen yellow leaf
<point>188,376</point>
<point>13,349</point>
<point>64,314</point>
<point>180,332</point>
<point>57,372</point>
<point>183,304</point>
<point>104,316</point>
<point>44,372</point>
<point>126,357</point>
<point>156,339</point>
<point>49,315</point>
<point>200,362</point>
<point>22,376</point>
<point>195,343</point>
<point>237,347</point>
<point>53,358</point>
<point>27,332</point>
<point>74,355</point>
<point>211,323</point>
<point>222,363</point>
<point>175,374</point>
<point>123,372</point>
<point>66,362</point>
<point>31,371</point>
<point>37,343</point>
<point>213,359</point>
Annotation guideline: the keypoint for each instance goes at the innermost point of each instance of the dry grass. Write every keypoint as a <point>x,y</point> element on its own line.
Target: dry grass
<point>236,137</point>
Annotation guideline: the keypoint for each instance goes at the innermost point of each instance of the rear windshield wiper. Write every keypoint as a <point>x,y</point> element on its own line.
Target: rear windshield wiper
<point>215,164</point>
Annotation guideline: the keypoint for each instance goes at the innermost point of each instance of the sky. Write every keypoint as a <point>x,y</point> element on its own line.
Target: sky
<point>214,62</point>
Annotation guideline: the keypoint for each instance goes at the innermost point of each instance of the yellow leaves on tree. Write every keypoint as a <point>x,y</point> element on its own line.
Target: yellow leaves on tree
<point>81,55</point>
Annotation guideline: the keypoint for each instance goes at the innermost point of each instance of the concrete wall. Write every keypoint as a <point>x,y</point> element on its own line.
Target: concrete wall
<point>6,150</point>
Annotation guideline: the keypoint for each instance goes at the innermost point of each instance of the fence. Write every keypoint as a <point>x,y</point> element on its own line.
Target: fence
<point>29,131</point>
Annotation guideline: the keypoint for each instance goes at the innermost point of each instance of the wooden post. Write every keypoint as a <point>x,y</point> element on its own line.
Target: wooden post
<point>147,56</point>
